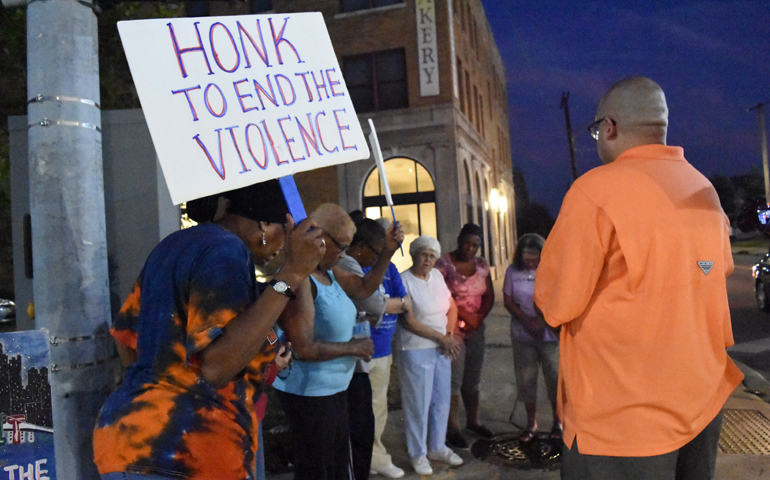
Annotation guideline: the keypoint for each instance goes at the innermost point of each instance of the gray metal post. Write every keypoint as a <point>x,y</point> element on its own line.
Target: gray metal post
<point>69,240</point>
<point>565,106</point>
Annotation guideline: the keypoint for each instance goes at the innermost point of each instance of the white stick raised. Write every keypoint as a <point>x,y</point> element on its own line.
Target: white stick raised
<point>377,153</point>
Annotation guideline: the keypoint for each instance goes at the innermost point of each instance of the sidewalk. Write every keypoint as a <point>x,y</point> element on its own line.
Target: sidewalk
<point>749,419</point>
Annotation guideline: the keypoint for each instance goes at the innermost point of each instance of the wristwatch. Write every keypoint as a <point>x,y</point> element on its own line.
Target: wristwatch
<point>282,287</point>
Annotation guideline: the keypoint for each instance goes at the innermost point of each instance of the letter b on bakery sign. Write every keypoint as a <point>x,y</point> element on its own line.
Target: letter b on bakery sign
<point>233,101</point>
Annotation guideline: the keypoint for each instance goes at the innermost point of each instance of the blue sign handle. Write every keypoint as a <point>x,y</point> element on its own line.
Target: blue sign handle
<point>293,200</point>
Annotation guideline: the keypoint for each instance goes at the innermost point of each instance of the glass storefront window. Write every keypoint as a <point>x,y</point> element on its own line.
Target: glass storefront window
<point>414,202</point>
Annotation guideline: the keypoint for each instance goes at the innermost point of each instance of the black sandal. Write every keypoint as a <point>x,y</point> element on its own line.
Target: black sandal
<point>556,432</point>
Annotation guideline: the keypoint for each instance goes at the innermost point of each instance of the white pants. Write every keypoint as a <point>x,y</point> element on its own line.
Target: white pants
<point>379,377</point>
<point>425,377</point>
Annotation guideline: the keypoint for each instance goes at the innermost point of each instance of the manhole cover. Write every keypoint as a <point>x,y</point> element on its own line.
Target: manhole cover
<point>508,451</point>
<point>745,431</point>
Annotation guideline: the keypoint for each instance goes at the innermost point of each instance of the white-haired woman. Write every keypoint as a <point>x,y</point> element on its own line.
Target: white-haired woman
<point>424,365</point>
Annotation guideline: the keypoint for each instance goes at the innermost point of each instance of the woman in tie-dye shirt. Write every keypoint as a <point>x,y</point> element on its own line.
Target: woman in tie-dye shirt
<point>196,337</point>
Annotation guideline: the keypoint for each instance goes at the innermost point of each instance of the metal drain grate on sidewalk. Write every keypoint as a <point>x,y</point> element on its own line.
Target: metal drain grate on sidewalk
<point>745,431</point>
<point>508,451</point>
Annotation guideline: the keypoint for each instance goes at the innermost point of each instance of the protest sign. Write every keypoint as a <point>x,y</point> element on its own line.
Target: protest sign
<point>26,417</point>
<point>233,101</point>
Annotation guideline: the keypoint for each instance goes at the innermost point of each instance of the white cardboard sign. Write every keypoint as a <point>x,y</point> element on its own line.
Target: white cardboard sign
<point>233,101</point>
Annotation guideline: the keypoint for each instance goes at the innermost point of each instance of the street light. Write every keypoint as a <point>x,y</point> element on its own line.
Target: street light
<point>494,199</point>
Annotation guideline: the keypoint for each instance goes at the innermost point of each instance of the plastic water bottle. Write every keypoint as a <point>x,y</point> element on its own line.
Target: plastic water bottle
<point>362,328</point>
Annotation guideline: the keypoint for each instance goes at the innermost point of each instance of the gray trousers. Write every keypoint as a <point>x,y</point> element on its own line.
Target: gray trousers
<point>694,461</point>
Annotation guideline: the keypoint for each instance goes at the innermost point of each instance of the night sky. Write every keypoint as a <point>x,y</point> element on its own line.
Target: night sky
<point>712,59</point>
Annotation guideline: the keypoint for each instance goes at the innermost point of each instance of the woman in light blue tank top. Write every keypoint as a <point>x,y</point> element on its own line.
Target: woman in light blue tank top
<point>335,317</point>
<point>319,324</point>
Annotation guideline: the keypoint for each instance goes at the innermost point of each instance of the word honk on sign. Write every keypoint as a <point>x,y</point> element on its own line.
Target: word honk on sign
<point>232,101</point>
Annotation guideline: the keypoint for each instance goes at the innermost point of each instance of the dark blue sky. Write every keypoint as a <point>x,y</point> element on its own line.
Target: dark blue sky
<point>712,59</point>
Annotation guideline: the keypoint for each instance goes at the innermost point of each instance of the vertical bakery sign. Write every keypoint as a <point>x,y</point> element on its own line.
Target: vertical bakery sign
<point>26,417</point>
<point>232,101</point>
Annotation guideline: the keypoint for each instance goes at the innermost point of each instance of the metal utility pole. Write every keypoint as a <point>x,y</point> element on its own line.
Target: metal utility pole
<point>69,242</point>
<point>565,106</point>
<point>760,108</point>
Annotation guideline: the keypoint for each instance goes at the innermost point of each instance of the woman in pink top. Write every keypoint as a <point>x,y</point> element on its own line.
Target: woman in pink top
<point>467,277</point>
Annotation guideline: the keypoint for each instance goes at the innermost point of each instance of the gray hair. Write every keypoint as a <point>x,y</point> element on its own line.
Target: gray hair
<point>384,222</point>
<point>424,242</point>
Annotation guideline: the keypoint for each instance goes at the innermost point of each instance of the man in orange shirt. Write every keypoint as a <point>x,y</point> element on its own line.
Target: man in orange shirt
<point>634,272</point>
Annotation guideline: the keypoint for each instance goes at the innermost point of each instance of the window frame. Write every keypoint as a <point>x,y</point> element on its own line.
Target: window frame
<point>373,84</point>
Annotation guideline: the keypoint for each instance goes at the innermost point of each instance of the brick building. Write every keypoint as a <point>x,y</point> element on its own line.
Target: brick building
<point>430,76</point>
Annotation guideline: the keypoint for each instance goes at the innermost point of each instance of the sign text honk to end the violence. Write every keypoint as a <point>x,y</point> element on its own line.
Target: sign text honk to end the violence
<point>235,100</point>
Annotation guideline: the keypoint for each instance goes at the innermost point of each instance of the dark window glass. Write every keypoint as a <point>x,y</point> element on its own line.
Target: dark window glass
<point>391,80</point>
<point>359,79</point>
<point>468,196</point>
<point>355,5</point>
<point>196,8</point>
<point>460,87</point>
<point>377,81</point>
<point>259,6</point>
<point>469,99</point>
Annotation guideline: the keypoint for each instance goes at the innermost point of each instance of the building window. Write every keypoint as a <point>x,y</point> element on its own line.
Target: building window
<point>480,204</point>
<point>260,6</point>
<point>468,196</point>
<point>481,116</point>
<point>355,5</point>
<point>468,95</point>
<point>469,17</point>
<point>377,81</point>
<point>476,104</point>
<point>460,84</point>
<point>472,32</point>
<point>488,220</point>
<point>414,201</point>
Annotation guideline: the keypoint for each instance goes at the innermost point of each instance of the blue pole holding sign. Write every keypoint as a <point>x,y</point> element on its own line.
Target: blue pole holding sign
<point>293,200</point>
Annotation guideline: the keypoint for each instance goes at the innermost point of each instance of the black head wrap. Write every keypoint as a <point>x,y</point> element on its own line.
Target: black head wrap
<point>262,202</point>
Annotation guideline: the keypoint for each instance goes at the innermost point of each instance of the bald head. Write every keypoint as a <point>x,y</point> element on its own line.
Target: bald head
<point>638,106</point>
<point>333,220</point>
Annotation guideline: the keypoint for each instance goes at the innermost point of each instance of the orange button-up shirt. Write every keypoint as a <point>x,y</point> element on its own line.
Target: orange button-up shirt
<point>634,271</point>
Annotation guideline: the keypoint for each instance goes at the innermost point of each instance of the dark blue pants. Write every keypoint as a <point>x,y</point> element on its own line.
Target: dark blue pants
<point>361,424</point>
<point>320,435</point>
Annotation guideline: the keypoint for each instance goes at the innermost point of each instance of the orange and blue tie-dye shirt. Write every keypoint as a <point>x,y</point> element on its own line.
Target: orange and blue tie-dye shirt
<point>165,419</point>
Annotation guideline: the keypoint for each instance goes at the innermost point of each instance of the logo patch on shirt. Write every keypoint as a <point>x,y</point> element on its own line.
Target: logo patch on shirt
<point>706,267</point>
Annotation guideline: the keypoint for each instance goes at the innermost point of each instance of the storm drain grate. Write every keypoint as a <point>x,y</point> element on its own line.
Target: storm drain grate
<point>508,451</point>
<point>745,431</point>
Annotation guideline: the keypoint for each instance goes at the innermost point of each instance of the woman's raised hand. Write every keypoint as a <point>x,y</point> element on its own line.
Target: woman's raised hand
<point>304,246</point>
